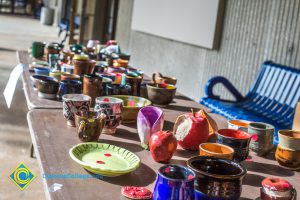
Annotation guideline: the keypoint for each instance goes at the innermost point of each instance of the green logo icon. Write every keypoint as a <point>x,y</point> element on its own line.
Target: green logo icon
<point>22,176</point>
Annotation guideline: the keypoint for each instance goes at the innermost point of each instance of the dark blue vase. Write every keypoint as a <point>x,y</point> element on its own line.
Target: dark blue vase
<point>69,87</point>
<point>174,182</point>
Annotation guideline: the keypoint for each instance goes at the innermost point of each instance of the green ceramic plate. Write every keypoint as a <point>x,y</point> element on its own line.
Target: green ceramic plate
<point>104,159</point>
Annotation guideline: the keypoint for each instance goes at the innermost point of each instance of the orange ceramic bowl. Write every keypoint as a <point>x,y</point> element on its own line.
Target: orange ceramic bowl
<point>216,150</point>
<point>288,158</point>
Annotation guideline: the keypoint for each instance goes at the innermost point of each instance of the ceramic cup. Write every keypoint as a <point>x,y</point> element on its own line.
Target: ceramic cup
<point>89,125</point>
<point>112,108</point>
<point>135,84</point>
<point>105,82</point>
<point>217,178</point>
<point>41,71</point>
<point>36,78</point>
<point>37,49</point>
<point>67,76</point>
<point>216,150</point>
<point>92,86</point>
<point>150,119</point>
<point>238,125</point>
<point>159,79</point>
<point>277,189</point>
<point>82,67</point>
<point>262,137</point>
<point>69,87</point>
<point>115,89</point>
<point>72,103</point>
<point>67,68</point>
<point>289,139</point>
<point>161,95</point>
<point>47,88</point>
<point>174,182</point>
<point>56,75</point>
<point>236,139</point>
<point>288,158</point>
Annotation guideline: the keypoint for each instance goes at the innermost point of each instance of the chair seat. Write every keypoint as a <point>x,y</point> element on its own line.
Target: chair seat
<point>239,111</point>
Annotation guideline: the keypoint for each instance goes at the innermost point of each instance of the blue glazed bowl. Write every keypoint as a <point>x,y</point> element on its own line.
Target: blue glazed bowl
<point>36,78</point>
<point>41,71</point>
<point>69,87</point>
<point>174,182</point>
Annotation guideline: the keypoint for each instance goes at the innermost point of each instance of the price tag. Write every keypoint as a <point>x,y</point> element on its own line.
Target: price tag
<point>12,83</point>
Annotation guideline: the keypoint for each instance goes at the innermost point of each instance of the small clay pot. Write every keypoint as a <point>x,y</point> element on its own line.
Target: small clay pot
<point>82,67</point>
<point>159,79</point>
<point>48,88</point>
<point>67,76</point>
<point>288,158</point>
<point>216,150</point>
<point>36,78</point>
<point>289,139</point>
<point>160,95</point>
<point>92,86</point>
<point>236,139</point>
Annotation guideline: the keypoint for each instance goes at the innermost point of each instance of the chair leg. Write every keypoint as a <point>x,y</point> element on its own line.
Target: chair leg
<point>32,151</point>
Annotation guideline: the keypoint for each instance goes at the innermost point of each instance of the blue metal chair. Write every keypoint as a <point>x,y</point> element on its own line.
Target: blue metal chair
<point>272,98</point>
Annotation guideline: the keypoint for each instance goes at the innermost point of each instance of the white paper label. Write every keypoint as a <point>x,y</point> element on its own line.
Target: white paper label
<point>12,83</point>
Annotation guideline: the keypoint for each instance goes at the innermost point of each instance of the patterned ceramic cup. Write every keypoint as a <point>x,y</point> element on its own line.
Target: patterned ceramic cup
<point>112,108</point>
<point>238,125</point>
<point>73,103</point>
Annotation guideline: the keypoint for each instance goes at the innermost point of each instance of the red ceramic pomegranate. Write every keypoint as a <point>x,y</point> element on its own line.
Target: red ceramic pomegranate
<point>162,146</point>
<point>191,130</point>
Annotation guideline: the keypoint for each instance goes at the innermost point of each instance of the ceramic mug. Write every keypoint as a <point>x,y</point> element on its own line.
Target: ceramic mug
<point>82,67</point>
<point>262,137</point>
<point>72,103</point>
<point>288,158</point>
<point>69,87</point>
<point>217,179</point>
<point>67,76</point>
<point>150,119</point>
<point>236,139</point>
<point>112,108</point>
<point>174,182</point>
<point>114,89</point>
<point>89,125</point>
<point>41,71</point>
<point>289,139</point>
<point>238,124</point>
<point>37,49</point>
<point>216,150</point>
<point>92,86</point>
<point>135,83</point>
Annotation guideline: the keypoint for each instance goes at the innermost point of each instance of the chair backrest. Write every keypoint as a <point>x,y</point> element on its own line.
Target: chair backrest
<point>279,86</point>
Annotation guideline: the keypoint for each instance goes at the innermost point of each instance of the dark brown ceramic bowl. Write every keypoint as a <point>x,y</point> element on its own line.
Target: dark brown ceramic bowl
<point>159,95</point>
<point>48,89</point>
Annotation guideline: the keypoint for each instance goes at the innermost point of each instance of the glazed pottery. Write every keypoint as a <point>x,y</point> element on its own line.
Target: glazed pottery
<point>41,71</point>
<point>112,108</point>
<point>111,69</point>
<point>277,189</point>
<point>162,146</point>
<point>131,107</point>
<point>236,139</point>
<point>116,89</point>
<point>262,137</point>
<point>238,125</point>
<point>51,48</point>
<point>72,103</point>
<point>92,86</point>
<point>89,125</point>
<point>150,119</point>
<point>53,60</point>
<point>120,63</point>
<point>288,158</point>
<point>100,67</point>
<point>217,178</point>
<point>36,78</point>
<point>143,90</point>
<point>289,139</point>
<point>104,159</point>
<point>67,68</point>
<point>67,76</point>
<point>47,88</point>
<point>37,49</point>
<point>133,192</point>
<point>190,130</point>
<point>174,182</point>
<point>159,78</point>
<point>124,56</point>
<point>56,75</point>
<point>107,75</point>
<point>135,84</point>
<point>69,87</point>
<point>159,94</point>
<point>105,82</point>
<point>82,67</point>
<point>77,48</point>
<point>216,150</point>
<point>92,43</point>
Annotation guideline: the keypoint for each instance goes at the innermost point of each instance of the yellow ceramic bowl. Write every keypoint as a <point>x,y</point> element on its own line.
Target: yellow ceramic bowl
<point>288,158</point>
<point>131,107</point>
<point>216,150</point>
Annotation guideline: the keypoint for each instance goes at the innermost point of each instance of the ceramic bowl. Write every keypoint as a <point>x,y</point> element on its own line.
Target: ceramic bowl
<point>111,69</point>
<point>36,78</point>
<point>48,88</point>
<point>57,75</point>
<point>236,139</point>
<point>131,107</point>
<point>69,87</point>
<point>159,78</point>
<point>238,124</point>
<point>41,71</point>
<point>288,158</point>
<point>289,139</point>
<point>159,95</point>
<point>216,150</point>
<point>104,159</point>
<point>217,178</point>
<point>117,89</point>
<point>67,76</point>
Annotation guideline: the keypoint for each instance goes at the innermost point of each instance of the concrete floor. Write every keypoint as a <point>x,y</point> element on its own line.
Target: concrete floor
<point>17,33</point>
